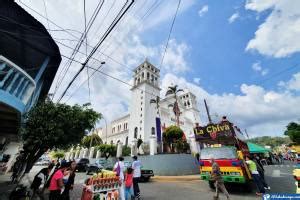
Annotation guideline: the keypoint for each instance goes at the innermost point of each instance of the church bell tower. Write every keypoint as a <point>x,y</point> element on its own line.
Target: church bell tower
<point>142,113</point>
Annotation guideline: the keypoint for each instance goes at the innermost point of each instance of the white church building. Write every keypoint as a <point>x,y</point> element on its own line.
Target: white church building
<point>143,118</point>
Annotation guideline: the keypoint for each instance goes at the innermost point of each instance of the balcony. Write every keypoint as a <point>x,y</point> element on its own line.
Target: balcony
<point>16,86</point>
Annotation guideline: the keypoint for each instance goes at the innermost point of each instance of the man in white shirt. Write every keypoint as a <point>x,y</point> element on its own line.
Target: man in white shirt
<point>120,164</point>
<point>136,166</point>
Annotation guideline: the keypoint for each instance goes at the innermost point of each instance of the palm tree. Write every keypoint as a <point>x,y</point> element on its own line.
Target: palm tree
<point>91,140</point>
<point>174,90</point>
<point>156,101</point>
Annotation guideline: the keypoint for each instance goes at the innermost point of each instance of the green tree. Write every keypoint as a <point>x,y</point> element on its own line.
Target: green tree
<point>51,125</point>
<point>293,131</point>
<point>91,140</point>
<point>172,134</point>
<point>107,150</point>
<point>126,151</point>
<point>270,141</point>
<point>57,154</point>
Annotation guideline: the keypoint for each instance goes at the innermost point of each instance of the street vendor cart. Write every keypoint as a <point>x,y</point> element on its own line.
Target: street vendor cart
<point>102,186</point>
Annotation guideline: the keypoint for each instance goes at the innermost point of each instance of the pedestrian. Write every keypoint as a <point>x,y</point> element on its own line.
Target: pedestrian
<point>261,172</point>
<point>119,168</point>
<point>256,177</point>
<point>136,166</point>
<point>128,184</point>
<point>39,181</point>
<point>281,157</point>
<point>216,177</point>
<point>69,183</point>
<point>56,182</point>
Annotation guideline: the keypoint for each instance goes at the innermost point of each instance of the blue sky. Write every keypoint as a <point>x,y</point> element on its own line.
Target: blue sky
<point>217,48</point>
<point>228,52</point>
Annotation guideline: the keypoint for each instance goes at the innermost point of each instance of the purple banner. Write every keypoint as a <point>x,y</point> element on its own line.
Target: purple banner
<point>158,129</point>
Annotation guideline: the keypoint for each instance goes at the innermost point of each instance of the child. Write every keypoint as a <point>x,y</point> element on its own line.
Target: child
<point>128,183</point>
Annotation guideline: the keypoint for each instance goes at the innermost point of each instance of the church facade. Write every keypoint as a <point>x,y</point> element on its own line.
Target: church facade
<point>147,119</point>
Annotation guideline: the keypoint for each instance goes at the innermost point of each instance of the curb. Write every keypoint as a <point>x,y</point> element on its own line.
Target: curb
<point>177,178</point>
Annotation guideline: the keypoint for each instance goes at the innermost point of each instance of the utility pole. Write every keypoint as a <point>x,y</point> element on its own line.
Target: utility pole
<point>207,112</point>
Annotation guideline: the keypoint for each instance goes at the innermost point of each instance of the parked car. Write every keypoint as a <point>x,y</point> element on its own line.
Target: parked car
<point>94,167</point>
<point>82,164</point>
<point>145,173</point>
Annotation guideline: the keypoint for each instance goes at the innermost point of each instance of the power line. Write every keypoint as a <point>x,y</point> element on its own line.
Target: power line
<point>64,30</point>
<point>146,15</point>
<point>151,7</point>
<point>83,84</point>
<point>86,38</point>
<point>277,74</point>
<point>166,47</point>
<point>46,14</point>
<point>108,31</point>
<point>83,36</point>
<point>128,84</point>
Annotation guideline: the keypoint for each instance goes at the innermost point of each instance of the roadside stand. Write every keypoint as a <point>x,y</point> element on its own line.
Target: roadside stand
<point>102,186</point>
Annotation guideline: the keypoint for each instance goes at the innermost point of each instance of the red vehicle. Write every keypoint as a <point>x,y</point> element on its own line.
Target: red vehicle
<point>225,143</point>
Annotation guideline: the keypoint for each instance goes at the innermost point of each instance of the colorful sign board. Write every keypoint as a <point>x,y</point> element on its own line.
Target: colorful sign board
<point>214,131</point>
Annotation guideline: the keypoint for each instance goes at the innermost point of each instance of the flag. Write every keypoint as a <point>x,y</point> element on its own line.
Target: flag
<point>158,129</point>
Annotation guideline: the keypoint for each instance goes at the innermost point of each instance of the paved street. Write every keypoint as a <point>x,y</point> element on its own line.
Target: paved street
<point>279,178</point>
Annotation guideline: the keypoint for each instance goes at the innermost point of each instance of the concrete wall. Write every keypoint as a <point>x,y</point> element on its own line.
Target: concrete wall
<point>169,164</point>
<point>166,164</point>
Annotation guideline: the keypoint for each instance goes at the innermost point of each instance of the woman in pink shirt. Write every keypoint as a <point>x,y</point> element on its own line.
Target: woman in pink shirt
<point>56,182</point>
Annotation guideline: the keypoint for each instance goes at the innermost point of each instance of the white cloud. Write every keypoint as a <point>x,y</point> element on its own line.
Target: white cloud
<point>264,72</point>
<point>197,80</point>
<point>258,68</point>
<point>278,35</point>
<point>233,17</point>
<point>175,57</point>
<point>124,44</point>
<point>203,10</point>
<point>293,83</point>
<point>260,111</point>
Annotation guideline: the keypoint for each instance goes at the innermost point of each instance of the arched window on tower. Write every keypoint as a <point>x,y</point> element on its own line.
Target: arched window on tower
<point>152,131</point>
<point>135,132</point>
<point>148,75</point>
<point>152,78</point>
<point>143,76</point>
<point>126,141</point>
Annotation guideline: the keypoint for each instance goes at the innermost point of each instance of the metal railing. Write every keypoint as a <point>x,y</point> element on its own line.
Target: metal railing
<point>15,81</point>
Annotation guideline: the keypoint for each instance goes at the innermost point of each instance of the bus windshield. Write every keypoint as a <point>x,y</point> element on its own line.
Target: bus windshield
<point>218,153</point>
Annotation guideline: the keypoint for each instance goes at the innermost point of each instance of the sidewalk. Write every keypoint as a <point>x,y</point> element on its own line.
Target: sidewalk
<point>6,187</point>
<point>195,177</point>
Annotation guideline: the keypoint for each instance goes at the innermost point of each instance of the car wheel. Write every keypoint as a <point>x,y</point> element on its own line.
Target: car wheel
<point>87,172</point>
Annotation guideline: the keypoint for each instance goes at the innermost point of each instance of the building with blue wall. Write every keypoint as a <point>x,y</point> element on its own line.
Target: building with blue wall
<point>29,60</point>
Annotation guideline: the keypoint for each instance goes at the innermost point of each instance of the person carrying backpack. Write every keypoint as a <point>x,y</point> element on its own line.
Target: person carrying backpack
<point>39,181</point>
<point>119,168</point>
<point>128,184</point>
